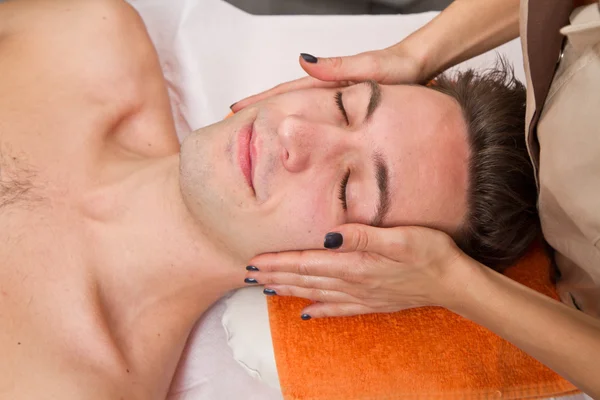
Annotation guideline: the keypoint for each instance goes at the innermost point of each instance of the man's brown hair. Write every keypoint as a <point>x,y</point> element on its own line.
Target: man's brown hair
<point>502,218</point>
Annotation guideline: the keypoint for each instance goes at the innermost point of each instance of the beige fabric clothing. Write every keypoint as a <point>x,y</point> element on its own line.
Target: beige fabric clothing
<point>565,148</point>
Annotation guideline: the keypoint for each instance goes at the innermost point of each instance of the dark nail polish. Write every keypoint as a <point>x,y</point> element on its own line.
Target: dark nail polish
<point>333,240</point>
<point>305,317</point>
<point>308,58</point>
<point>250,280</point>
<point>269,292</point>
<point>251,268</point>
<point>231,106</point>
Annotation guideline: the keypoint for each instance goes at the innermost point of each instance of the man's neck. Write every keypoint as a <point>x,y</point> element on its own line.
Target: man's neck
<point>156,269</point>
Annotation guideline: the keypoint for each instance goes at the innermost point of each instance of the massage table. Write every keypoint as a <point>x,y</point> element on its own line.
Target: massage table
<point>212,55</point>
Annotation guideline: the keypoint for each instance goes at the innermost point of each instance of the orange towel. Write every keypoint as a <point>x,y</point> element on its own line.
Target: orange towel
<point>424,353</point>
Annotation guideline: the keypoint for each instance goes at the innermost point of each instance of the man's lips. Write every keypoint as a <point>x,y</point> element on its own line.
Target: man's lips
<point>247,153</point>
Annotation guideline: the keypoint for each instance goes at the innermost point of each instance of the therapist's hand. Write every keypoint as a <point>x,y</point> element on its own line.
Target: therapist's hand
<point>393,65</point>
<point>374,270</point>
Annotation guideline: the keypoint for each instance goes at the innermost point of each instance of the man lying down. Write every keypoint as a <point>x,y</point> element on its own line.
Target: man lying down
<point>115,240</point>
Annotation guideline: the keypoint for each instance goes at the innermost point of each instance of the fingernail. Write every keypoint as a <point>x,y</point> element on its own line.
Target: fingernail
<point>308,58</point>
<point>269,292</point>
<point>251,268</point>
<point>231,106</point>
<point>333,240</point>
<point>250,280</point>
<point>305,317</point>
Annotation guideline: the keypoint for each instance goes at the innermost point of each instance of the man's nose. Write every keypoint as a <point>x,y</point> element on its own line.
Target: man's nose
<point>306,143</point>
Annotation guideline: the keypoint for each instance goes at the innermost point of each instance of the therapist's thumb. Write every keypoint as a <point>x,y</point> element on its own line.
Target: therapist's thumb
<point>358,237</point>
<point>383,66</point>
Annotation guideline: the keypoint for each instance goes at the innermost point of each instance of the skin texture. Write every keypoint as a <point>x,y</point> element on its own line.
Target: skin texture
<point>112,248</point>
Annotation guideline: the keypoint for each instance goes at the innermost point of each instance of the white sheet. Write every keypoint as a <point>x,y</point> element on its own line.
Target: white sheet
<point>212,55</point>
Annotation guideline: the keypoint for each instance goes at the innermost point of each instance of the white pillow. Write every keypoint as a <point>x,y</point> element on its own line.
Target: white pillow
<point>246,321</point>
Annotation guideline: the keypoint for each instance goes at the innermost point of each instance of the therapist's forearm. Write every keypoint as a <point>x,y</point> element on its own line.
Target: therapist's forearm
<point>464,30</point>
<point>564,339</point>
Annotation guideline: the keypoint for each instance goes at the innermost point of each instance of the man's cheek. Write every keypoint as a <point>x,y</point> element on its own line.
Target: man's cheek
<point>308,222</point>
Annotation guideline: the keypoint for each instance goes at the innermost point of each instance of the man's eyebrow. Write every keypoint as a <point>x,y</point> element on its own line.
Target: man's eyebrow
<point>375,98</point>
<point>383,179</point>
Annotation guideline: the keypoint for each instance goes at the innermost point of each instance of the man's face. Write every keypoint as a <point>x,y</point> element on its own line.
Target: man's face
<point>280,174</point>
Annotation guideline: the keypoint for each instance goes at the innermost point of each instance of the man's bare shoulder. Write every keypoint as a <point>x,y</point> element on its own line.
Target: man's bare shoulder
<point>74,48</point>
<point>86,65</point>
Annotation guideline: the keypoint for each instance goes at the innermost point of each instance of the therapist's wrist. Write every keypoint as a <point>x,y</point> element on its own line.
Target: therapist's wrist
<point>461,283</point>
<point>419,52</point>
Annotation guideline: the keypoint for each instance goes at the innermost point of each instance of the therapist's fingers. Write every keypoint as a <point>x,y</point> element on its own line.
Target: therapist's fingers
<point>387,66</point>
<point>365,238</point>
<point>303,83</point>
<point>353,250</point>
<point>319,295</point>
<point>291,279</point>
<point>322,263</point>
<point>324,310</point>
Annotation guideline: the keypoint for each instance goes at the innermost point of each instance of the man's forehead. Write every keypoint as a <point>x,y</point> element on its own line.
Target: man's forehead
<point>428,154</point>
